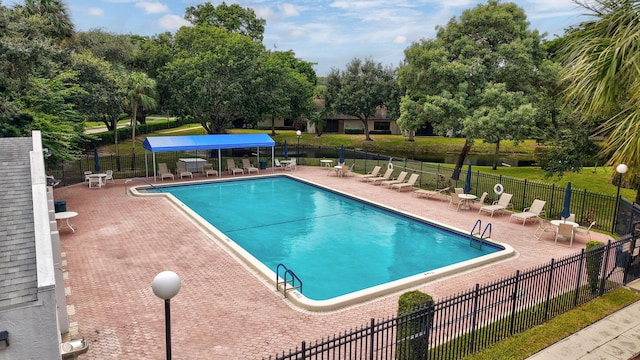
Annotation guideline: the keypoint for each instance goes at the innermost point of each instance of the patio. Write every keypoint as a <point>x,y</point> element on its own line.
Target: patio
<point>223,311</point>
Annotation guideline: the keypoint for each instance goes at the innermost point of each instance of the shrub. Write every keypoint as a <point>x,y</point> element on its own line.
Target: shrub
<point>415,310</point>
<point>595,253</point>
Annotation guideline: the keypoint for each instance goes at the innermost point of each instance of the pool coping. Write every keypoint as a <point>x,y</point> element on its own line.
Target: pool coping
<point>343,301</point>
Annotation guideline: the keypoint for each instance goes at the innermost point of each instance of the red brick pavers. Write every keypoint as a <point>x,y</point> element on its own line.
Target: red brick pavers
<point>224,311</point>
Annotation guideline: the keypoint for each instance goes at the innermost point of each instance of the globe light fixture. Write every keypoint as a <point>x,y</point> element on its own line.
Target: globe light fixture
<point>165,286</point>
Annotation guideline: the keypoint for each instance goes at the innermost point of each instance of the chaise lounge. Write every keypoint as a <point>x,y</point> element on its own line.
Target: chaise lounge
<point>503,203</point>
<point>532,212</point>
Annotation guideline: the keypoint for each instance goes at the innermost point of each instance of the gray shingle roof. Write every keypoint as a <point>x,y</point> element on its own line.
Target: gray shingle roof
<point>18,277</point>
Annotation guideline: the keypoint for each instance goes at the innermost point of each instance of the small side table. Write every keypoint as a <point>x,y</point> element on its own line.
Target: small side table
<point>64,220</point>
<point>326,162</point>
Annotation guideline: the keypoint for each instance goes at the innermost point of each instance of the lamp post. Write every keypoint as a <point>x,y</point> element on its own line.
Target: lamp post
<point>621,170</point>
<point>165,286</point>
<point>298,134</point>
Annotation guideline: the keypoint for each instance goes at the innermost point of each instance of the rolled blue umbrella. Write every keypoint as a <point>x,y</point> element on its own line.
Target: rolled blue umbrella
<point>96,160</point>
<point>341,154</point>
<point>467,182</point>
<point>566,212</point>
<point>285,150</point>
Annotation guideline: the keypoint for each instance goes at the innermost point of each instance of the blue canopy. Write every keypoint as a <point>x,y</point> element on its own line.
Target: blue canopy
<point>207,142</point>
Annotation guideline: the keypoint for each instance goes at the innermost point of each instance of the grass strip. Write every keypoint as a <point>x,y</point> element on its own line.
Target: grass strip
<point>525,344</point>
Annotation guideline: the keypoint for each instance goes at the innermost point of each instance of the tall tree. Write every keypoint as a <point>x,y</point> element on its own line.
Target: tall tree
<point>360,90</point>
<point>602,74</point>
<point>212,75</point>
<point>233,18</point>
<point>56,12</point>
<point>447,76</point>
<point>141,94</point>
<point>503,115</point>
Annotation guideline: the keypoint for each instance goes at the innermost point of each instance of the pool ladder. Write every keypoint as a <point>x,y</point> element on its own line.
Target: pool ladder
<point>478,243</point>
<point>288,278</point>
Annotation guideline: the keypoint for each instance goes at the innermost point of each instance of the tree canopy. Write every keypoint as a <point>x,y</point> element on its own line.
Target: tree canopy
<point>455,78</point>
<point>361,89</point>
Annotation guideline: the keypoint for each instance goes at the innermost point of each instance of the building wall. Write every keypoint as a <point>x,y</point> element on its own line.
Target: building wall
<point>32,323</point>
<point>33,334</point>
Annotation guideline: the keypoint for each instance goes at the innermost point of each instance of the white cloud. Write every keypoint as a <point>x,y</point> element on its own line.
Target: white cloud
<point>288,10</point>
<point>400,39</point>
<point>92,11</point>
<point>152,7</point>
<point>172,22</point>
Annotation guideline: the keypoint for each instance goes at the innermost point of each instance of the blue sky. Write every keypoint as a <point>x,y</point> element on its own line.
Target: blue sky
<point>329,33</point>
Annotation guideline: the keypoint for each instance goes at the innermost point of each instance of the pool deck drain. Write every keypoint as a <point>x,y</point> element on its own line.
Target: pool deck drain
<point>223,311</point>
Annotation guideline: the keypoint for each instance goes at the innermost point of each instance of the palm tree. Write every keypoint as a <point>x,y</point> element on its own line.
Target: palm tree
<point>601,69</point>
<point>141,93</point>
<point>55,11</point>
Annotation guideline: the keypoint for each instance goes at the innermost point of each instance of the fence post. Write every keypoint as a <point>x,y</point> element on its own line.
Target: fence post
<point>524,194</point>
<point>371,343</point>
<point>304,350</point>
<point>548,299</point>
<point>628,266</point>
<point>474,321</point>
<point>578,277</point>
<point>514,296</point>
<point>604,268</point>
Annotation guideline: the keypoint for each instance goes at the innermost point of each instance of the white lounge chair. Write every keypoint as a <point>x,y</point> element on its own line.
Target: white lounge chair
<point>181,169</point>
<point>373,173</point>
<point>232,168</point>
<point>400,179</point>
<point>208,169</point>
<point>503,203</point>
<point>246,165</point>
<point>406,185</point>
<point>164,172</point>
<point>430,193</point>
<point>535,210</point>
<point>278,165</point>
<point>380,179</point>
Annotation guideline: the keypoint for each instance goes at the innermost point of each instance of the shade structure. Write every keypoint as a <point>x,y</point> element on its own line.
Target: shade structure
<point>467,182</point>
<point>206,142</point>
<point>96,160</point>
<point>285,150</point>
<point>341,154</point>
<point>566,212</point>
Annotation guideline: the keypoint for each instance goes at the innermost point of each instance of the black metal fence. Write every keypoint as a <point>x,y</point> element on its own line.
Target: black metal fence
<point>476,319</point>
<point>587,206</point>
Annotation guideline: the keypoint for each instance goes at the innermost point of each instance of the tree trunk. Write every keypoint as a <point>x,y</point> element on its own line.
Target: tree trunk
<point>273,126</point>
<point>411,136</point>
<point>365,122</point>
<point>495,156</point>
<point>133,129</point>
<point>461,157</point>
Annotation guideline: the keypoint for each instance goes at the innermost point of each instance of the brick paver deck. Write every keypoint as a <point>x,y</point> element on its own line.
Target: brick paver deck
<point>223,311</point>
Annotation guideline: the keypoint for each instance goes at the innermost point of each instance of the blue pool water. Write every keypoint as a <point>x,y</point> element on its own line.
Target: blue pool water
<point>336,245</point>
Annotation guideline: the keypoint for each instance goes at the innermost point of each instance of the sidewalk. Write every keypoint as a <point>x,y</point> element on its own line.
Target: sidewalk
<point>616,337</point>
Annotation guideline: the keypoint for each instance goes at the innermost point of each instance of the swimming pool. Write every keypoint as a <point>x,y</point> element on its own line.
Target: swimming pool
<point>342,248</point>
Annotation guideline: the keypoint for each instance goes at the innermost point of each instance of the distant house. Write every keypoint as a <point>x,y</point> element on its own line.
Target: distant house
<point>344,124</point>
<point>33,309</point>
